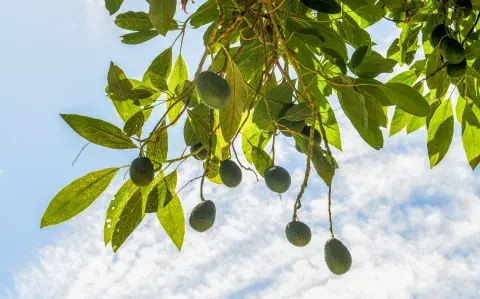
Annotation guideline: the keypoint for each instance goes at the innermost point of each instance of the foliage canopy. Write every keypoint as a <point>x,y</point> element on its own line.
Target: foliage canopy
<point>272,67</point>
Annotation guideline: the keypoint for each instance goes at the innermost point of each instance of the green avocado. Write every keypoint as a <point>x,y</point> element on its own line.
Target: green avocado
<point>213,90</point>
<point>142,171</point>
<point>457,70</point>
<point>277,179</point>
<point>202,154</point>
<point>317,137</point>
<point>298,233</point>
<point>325,6</point>
<point>453,50</point>
<point>465,7</point>
<point>230,173</point>
<point>438,33</point>
<point>202,216</point>
<point>286,127</point>
<point>337,256</point>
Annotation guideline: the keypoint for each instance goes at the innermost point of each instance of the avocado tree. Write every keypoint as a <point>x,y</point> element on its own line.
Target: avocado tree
<point>267,71</point>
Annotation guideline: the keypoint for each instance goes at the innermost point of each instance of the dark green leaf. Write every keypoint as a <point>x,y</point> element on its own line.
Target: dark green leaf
<point>157,147</point>
<point>201,124</point>
<point>298,112</point>
<point>113,5</point>
<point>134,21</point>
<point>136,38</point>
<point>205,14</point>
<point>98,131</point>
<point>323,167</point>
<point>158,81</point>
<point>440,133</point>
<point>261,160</point>
<point>141,93</point>
<point>134,124</point>
<point>77,196</point>
<point>282,93</point>
<point>161,14</point>
<point>373,65</point>
<point>161,66</point>
<point>118,84</point>
<point>358,55</point>
<point>406,98</point>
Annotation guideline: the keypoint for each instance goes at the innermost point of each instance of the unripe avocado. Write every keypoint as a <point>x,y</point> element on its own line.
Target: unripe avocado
<point>457,70</point>
<point>286,126</point>
<point>465,7</point>
<point>202,154</point>
<point>453,50</point>
<point>277,179</point>
<point>325,6</point>
<point>230,173</point>
<point>317,137</point>
<point>142,171</point>
<point>337,257</point>
<point>438,33</point>
<point>202,216</point>
<point>298,233</point>
<point>213,90</point>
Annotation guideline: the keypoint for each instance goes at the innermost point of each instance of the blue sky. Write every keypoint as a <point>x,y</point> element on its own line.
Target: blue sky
<point>412,231</point>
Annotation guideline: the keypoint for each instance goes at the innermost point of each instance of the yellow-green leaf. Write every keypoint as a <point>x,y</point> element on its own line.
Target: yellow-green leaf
<point>157,147</point>
<point>130,217</point>
<point>231,115</point>
<point>161,14</point>
<point>77,196</point>
<point>179,75</point>
<point>440,132</point>
<point>471,134</point>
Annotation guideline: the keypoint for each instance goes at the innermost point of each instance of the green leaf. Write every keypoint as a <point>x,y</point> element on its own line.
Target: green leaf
<point>130,217</point>
<point>358,56</point>
<point>351,32</point>
<point>77,196</point>
<point>408,77</point>
<point>136,38</point>
<point>157,147</point>
<point>321,164</point>
<point>161,14</point>
<point>252,136</point>
<point>231,115</point>
<point>399,121</point>
<point>134,124</point>
<point>415,123</point>
<point>205,14</point>
<point>170,214</point>
<point>113,5</point>
<point>264,114</point>
<point>440,133</point>
<point>161,66</point>
<point>406,98</point>
<point>353,104</point>
<point>471,134</point>
<point>282,93</point>
<point>373,65</point>
<point>473,51</point>
<point>437,79</point>
<point>134,21</point>
<point>298,112</point>
<point>115,208</point>
<point>199,119</point>
<point>141,93</point>
<point>98,131</point>
<point>118,84</point>
<point>158,81</point>
<point>261,160</point>
<point>179,75</point>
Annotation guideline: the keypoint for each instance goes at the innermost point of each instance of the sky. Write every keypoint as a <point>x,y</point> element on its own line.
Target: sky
<point>413,232</point>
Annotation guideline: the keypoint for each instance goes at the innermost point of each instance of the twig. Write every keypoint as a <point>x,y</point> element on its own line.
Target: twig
<point>330,210</point>
<point>83,147</point>
<point>192,180</point>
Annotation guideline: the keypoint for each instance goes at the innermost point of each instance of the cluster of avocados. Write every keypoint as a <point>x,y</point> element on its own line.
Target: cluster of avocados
<point>214,91</point>
<point>452,50</point>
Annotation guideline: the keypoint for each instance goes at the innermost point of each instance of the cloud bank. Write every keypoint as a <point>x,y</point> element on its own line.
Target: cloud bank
<point>413,233</point>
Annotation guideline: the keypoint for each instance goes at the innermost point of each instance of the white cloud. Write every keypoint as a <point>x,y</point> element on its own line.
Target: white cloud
<point>412,231</point>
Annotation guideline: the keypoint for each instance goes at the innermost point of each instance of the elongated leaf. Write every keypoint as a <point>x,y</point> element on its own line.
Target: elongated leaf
<point>118,85</point>
<point>200,125</point>
<point>134,21</point>
<point>298,112</point>
<point>161,14</point>
<point>113,5</point>
<point>205,14</point>
<point>440,133</point>
<point>353,104</point>
<point>261,160</point>
<point>252,136</point>
<point>231,115</point>
<point>98,131</point>
<point>415,123</point>
<point>282,93</point>
<point>471,134</point>
<point>160,66</point>
<point>373,65</point>
<point>115,208</point>
<point>77,196</point>
<point>170,214</point>
<point>324,169</point>
<point>135,123</point>
<point>136,38</point>
<point>399,121</point>
<point>130,217</point>
<point>178,76</point>
<point>157,147</point>
<point>437,78</point>
<point>406,98</point>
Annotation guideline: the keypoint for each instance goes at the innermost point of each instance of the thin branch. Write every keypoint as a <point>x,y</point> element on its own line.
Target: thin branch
<point>330,210</point>
<point>191,181</point>
<point>83,147</point>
